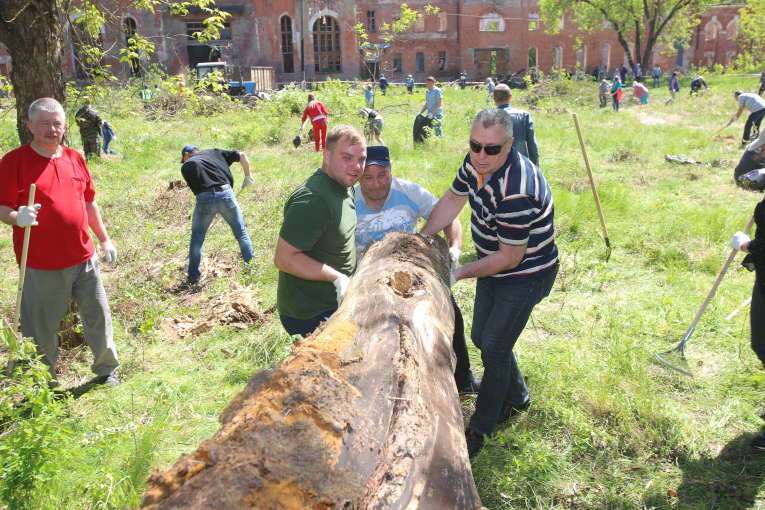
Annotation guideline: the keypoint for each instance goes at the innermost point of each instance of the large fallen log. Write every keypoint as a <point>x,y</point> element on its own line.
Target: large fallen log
<point>364,414</point>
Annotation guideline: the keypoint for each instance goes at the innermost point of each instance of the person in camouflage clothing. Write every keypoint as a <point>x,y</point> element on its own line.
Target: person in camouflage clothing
<point>90,124</point>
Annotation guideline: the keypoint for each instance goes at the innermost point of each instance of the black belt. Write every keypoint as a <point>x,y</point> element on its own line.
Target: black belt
<point>214,188</point>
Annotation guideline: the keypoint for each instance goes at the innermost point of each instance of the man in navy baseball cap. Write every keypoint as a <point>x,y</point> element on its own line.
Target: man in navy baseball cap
<point>187,149</point>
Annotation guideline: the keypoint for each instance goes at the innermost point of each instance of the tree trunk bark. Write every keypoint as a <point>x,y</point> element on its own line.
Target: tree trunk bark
<point>31,30</point>
<point>363,415</point>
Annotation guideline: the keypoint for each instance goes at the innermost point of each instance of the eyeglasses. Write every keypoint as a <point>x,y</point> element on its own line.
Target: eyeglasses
<point>490,150</point>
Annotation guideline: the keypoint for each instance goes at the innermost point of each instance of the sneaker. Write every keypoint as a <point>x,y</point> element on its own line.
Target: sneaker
<point>471,387</point>
<point>759,442</point>
<point>108,380</point>
<point>474,442</point>
<point>511,410</point>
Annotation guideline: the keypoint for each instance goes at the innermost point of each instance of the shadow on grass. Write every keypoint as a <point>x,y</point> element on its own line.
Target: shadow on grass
<point>730,480</point>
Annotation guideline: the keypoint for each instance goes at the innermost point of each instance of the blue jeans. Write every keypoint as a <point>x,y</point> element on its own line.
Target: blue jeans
<point>500,315</point>
<point>304,327</point>
<point>616,103</point>
<point>437,121</point>
<point>208,205</point>
<point>656,82</point>
<point>107,150</point>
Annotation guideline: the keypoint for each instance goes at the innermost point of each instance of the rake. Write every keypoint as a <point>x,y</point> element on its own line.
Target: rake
<point>676,356</point>
<point>14,334</point>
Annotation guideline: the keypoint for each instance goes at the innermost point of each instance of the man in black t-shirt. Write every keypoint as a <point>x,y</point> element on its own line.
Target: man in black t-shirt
<point>208,175</point>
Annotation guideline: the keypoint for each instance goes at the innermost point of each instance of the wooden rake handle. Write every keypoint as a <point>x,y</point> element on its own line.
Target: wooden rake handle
<point>719,278</point>
<point>23,265</point>
<point>592,181</point>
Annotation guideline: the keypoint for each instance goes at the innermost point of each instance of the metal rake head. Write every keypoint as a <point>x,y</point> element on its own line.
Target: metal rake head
<point>675,357</point>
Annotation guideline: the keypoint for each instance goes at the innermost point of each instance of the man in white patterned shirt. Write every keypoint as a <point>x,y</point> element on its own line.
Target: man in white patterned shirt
<point>388,204</point>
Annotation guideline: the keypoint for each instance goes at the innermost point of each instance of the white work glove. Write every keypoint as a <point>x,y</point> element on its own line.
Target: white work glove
<point>341,285</point>
<point>300,130</point>
<point>739,238</point>
<point>452,279</point>
<point>249,180</point>
<point>27,216</point>
<point>430,115</point>
<point>110,252</point>
<point>454,256</point>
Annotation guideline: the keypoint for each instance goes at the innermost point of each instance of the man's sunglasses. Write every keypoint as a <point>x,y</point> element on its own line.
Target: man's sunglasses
<point>490,150</point>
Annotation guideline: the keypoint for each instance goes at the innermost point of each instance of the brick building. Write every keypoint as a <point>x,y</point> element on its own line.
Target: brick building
<point>314,39</point>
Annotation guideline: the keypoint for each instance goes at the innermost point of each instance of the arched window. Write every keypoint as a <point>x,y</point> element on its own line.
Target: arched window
<point>532,61</point>
<point>733,29</point>
<point>130,29</point>
<point>288,54</point>
<point>491,22</point>
<point>557,57</point>
<point>326,46</point>
<point>85,48</point>
<point>605,56</point>
<point>711,28</point>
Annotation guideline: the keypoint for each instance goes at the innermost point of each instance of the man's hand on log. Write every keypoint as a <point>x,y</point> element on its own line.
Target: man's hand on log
<point>454,255</point>
<point>341,285</point>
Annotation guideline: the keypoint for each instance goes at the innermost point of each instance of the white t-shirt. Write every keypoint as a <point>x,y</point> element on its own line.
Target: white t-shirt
<point>406,203</point>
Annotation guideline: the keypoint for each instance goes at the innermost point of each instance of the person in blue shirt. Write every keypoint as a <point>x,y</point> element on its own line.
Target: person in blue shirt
<point>433,100</point>
<point>616,92</point>
<point>409,84</point>
<point>696,84</point>
<point>109,136</point>
<point>383,84</point>
<point>463,79</point>
<point>385,203</point>
<point>369,95</point>
<point>674,87</point>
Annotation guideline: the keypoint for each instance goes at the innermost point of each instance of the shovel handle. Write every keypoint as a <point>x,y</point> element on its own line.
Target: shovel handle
<point>23,265</point>
<point>719,278</point>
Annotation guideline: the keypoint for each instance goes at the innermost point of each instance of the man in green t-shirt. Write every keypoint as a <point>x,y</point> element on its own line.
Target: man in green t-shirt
<point>316,250</point>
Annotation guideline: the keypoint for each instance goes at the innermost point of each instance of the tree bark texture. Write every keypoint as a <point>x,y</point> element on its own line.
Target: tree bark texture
<point>364,413</point>
<point>31,30</point>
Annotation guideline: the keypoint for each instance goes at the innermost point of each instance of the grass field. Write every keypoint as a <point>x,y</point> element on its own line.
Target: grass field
<point>608,428</point>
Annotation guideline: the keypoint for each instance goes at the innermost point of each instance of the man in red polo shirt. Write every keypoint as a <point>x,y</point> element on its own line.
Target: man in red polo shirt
<point>62,259</point>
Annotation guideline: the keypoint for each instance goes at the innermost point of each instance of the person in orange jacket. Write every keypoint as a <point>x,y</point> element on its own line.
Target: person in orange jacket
<point>317,112</point>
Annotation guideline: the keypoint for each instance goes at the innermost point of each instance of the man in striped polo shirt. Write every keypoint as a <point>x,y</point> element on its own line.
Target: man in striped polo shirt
<point>512,228</point>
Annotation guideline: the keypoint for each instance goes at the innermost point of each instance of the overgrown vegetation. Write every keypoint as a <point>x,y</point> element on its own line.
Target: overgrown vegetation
<point>608,427</point>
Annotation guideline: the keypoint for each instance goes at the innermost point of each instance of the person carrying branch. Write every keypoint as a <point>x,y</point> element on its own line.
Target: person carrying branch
<point>514,236</point>
<point>317,112</point>
<point>90,123</point>
<point>389,204</point>
<point>373,125</point>
<point>316,250</point>
<point>755,261</point>
<point>603,92</point>
<point>209,177</point>
<point>62,261</point>
<point>756,105</point>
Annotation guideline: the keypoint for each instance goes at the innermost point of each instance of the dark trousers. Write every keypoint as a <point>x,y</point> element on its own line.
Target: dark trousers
<point>304,327</point>
<point>459,345</point>
<point>754,119</point>
<point>757,321</point>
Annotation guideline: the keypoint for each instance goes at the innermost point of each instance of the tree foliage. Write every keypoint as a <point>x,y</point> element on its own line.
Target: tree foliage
<point>644,23</point>
<point>33,32</point>
<point>752,28</point>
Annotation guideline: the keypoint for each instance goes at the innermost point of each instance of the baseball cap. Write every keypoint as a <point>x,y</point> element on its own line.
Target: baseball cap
<point>188,148</point>
<point>377,155</point>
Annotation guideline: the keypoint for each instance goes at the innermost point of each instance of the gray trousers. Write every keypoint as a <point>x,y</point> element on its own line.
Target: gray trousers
<point>44,303</point>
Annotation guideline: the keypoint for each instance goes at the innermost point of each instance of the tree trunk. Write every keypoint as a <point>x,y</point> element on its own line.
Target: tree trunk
<point>363,415</point>
<point>31,30</point>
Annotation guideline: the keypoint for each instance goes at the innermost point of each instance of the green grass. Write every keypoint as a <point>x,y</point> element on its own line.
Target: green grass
<point>608,428</point>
